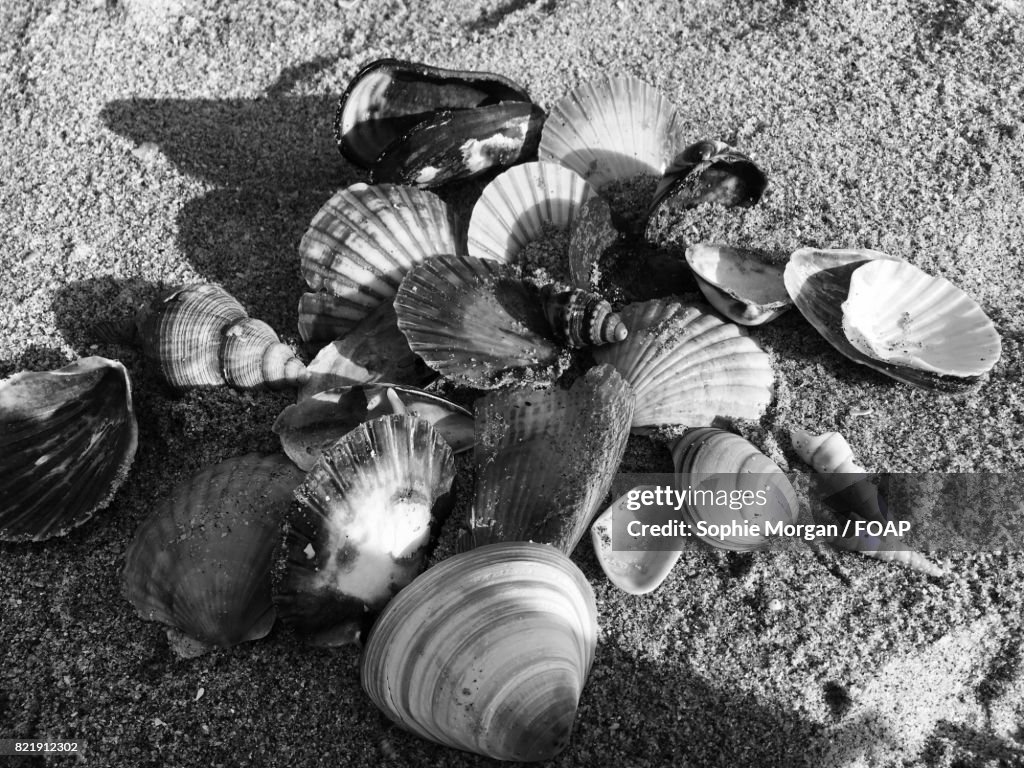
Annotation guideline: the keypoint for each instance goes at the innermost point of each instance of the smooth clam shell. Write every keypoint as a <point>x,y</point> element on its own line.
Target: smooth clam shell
<point>311,426</point>
<point>365,239</point>
<point>901,315</point>
<point>368,507</point>
<point>711,172</point>
<point>487,651</point>
<point>388,97</point>
<point>67,441</point>
<point>739,283</point>
<point>472,320</point>
<point>546,459</point>
<point>612,129</point>
<point>709,459</point>
<point>516,206</point>
<point>687,366</point>
<point>451,145</point>
<point>636,572</point>
<point>201,562</point>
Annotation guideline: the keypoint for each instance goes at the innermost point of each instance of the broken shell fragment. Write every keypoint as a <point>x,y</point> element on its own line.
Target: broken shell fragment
<point>592,235</point>
<point>311,426</point>
<point>201,562</point>
<point>579,318</point>
<point>487,651</point>
<point>711,172</point>
<point>67,441</point>
<point>368,509</point>
<point>739,283</point>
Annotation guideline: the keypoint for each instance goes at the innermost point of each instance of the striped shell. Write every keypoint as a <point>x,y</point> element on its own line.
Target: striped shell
<point>487,652</point>
<point>579,318</point>
<point>67,441</point>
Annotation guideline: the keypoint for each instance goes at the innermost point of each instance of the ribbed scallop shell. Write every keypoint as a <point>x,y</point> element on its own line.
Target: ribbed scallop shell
<point>474,321</point>
<point>365,239</point>
<point>687,366</point>
<point>612,129</point>
<point>516,206</point>
<point>368,506</point>
<point>487,651</point>
<point>712,461</point>
<point>201,562</point>
<point>546,459</point>
<point>900,315</point>
<point>579,318</point>
<point>200,336</point>
<point>738,283</point>
<point>311,426</point>
<point>67,440</point>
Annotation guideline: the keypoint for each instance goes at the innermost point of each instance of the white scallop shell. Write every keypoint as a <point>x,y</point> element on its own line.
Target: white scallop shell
<point>364,240</point>
<point>898,314</point>
<point>738,283</point>
<point>687,366</point>
<point>516,206</point>
<point>612,129</point>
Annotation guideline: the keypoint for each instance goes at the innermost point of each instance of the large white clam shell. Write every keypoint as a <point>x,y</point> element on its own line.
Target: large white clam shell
<point>687,366</point>
<point>516,206</point>
<point>738,283</point>
<point>899,314</point>
<point>364,240</point>
<point>487,652</point>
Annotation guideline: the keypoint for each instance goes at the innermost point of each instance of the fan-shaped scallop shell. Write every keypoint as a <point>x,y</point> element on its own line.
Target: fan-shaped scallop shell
<point>368,507</point>
<point>734,486</point>
<point>687,366</point>
<point>739,283</point>
<point>516,206</point>
<point>901,315</point>
<point>201,562</point>
<point>546,459</point>
<point>612,129</point>
<point>67,440</point>
<point>487,651</point>
<point>365,239</point>
<point>474,321</point>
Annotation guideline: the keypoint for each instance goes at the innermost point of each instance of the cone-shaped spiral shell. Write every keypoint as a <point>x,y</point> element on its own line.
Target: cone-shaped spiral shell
<point>711,172</point>
<point>819,282</point>
<point>827,453</point>
<point>903,316</point>
<point>739,283</point>
<point>579,318</point>
<point>687,366</point>
<point>487,651</point>
<point>365,239</point>
<point>516,206</point>
<point>201,562</point>
<point>736,487</point>
<point>612,129</point>
<point>67,440</point>
<point>311,426</point>
<point>368,506</point>
<point>200,336</point>
<point>473,321</point>
<point>545,460</point>
<point>389,97</point>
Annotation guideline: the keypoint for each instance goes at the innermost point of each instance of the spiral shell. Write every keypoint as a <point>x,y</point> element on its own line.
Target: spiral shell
<point>487,651</point>
<point>201,562</point>
<point>200,336</point>
<point>579,318</point>
<point>368,506</point>
<point>67,441</point>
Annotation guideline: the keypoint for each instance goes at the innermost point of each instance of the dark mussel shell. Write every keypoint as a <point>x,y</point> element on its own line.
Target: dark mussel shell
<point>711,172</point>
<point>389,97</point>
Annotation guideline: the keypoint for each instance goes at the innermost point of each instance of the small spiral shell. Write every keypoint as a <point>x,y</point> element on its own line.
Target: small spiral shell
<point>581,319</point>
<point>827,452</point>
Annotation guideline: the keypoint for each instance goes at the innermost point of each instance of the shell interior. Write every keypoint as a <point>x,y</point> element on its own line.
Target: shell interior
<point>739,283</point>
<point>711,172</point>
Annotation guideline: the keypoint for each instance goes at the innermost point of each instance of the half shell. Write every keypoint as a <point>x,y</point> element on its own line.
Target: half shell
<point>711,172</point>
<point>739,283</point>
<point>201,562</point>
<point>67,440</point>
<point>687,366</point>
<point>368,507</point>
<point>487,651</point>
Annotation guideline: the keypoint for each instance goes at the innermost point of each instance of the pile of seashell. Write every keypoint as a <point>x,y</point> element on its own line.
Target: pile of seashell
<point>489,650</point>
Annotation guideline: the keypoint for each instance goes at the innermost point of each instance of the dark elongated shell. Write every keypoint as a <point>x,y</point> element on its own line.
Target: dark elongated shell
<point>67,440</point>
<point>459,144</point>
<point>200,336</point>
<point>388,97</point>
<point>201,562</point>
<point>711,172</point>
<point>580,318</point>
